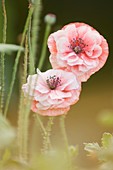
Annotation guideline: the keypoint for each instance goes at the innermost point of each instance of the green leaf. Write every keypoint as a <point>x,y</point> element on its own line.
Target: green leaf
<point>6,48</point>
<point>106,139</point>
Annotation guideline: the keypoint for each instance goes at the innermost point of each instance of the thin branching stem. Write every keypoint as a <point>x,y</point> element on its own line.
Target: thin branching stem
<point>41,124</point>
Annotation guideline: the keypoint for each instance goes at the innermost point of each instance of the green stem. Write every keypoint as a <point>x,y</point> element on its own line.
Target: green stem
<point>63,131</point>
<point>2,58</point>
<point>31,60</point>
<point>17,60</point>
<point>44,46</point>
<point>41,124</point>
<point>25,131</point>
<point>46,137</point>
<point>35,30</point>
<point>21,104</point>
<point>66,145</point>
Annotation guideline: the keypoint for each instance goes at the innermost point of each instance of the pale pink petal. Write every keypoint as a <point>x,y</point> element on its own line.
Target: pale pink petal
<point>52,44</point>
<point>97,52</point>
<point>74,60</point>
<point>53,39</point>
<point>54,101</point>
<point>42,88</point>
<point>98,37</point>
<point>84,41</point>
<point>82,30</point>
<point>89,41</point>
<point>70,31</point>
<point>62,45</point>
<point>54,112</point>
<point>57,94</point>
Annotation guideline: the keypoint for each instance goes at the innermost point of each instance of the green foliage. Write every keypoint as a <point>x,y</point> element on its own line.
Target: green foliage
<point>22,158</point>
<point>106,140</point>
<point>53,160</point>
<point>8,48</point>
<point>104,153</point>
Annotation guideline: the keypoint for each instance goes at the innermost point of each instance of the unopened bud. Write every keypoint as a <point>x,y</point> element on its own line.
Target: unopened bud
<point>50,19</point>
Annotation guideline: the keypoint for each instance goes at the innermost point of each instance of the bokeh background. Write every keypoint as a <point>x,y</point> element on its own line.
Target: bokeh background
<point>82,122</point>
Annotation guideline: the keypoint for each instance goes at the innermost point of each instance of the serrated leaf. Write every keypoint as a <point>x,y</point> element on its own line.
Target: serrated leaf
<point>91,147</point>
<point>106,139</point>
<point>6,48</point>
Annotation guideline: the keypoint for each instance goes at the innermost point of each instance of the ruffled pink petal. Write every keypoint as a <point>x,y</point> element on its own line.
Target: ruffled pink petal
<point>52,44</point>
<point>82,30</point>
<point>98,37</point>
<point>42,88</point>
<point>63,45</point>
<point>56,94</point>
<point>53,61</point>
<point>89,41</point>
<point>40,97</point>
<point>58,61</point>
<point>74,60</point>
<point>52,39</point>
<point>97,52</point>
<point>33,106</point>
<point>54,112</point>
<point>70,31</point>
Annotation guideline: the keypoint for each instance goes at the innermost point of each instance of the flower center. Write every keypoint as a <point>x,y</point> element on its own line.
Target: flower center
<point>77,49</point>
<point>77,45</point>
<point>53,82</point>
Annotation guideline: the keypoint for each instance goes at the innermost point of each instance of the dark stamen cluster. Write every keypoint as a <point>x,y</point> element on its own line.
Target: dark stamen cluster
<point>53,82</point>
<point>77,45</point>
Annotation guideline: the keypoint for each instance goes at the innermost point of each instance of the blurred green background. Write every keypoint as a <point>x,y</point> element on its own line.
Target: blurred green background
<point>97,93</point>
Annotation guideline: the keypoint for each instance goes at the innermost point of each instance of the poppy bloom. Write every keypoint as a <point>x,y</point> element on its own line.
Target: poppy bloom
<point>52,92</point>
<point>79,48</point>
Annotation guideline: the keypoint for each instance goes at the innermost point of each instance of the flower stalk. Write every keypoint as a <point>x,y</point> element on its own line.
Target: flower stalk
<point>49,19</point>
<point>2,77</point>
<point>35,34</point>
<point>46,136</point>
<point>17,59</point>
<point>21,118</point>
<point>63,131</point>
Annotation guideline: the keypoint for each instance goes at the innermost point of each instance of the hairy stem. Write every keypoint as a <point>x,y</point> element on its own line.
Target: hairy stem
<point>63,131</point>
<point>21,116</point>
<point>17,59</point>
<point>2,83</point>
<point>35,32</point>
<point>46,136</point>
<point>41,124</point>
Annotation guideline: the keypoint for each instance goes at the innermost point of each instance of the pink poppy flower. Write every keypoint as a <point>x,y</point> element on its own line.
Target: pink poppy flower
<point>52,92</point>
<point>79,48</point>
